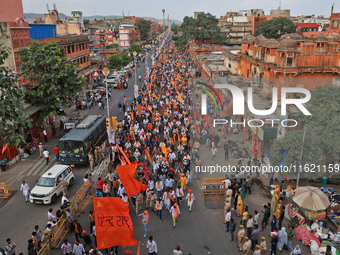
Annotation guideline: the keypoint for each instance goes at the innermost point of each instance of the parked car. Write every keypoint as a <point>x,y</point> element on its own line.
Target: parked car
<point>48,188</point>
<point>70,123</point>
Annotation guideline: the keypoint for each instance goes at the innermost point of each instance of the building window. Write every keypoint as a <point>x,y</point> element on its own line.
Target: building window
<point>27,42</point>
<point>72,48</point>
<point>22,43</point>
<point>290,60</point>
<point>335,23</point>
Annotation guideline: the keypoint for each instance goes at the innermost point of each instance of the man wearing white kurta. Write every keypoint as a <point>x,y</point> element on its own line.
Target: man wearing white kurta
<point>190,199</point>
<point>25,190</point>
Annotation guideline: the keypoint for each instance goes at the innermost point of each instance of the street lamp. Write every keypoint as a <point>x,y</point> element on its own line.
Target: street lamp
<point>153,52</point>
<point>134,56</point>
<point>106,72</point>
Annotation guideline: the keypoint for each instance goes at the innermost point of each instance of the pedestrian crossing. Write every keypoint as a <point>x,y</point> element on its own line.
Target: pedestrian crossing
<point>37,168</point>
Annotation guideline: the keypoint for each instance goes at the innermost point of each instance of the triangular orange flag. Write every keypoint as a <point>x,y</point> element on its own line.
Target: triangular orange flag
<point>126,175</point>
<point>188,122</point>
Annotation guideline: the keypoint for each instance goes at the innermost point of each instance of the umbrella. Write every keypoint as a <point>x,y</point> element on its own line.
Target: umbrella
<point>311,198</point>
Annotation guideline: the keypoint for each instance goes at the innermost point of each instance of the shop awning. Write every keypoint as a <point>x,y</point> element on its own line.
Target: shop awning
<point>31,110</point>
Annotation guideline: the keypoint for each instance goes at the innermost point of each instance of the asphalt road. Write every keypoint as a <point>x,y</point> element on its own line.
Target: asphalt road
<point>19,218</point>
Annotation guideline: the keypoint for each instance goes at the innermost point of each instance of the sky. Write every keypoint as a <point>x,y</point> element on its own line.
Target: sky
<point>178,9</point>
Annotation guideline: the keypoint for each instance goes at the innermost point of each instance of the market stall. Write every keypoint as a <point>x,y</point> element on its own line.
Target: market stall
<point>310,205</point>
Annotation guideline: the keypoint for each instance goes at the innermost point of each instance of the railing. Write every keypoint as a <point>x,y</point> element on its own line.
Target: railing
<point>81,199</point>
<point>59,232</point>
<point>212,186</point>
<point>5,190</point>
<point>44,250</point>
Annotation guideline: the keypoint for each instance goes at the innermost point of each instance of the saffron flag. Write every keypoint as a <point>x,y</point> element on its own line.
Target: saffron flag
<point>149,157</point>
<point>126,158</point>
<point>113,223</point>
<point>188,122</point>
<point>139,107</point>
<point>180,98</point>
<point>164,150</point>
<point>154,95</point>
<point>126,175</point>
<point>4,148</point>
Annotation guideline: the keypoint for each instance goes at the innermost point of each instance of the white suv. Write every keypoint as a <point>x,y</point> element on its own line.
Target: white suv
<point>48,187</point>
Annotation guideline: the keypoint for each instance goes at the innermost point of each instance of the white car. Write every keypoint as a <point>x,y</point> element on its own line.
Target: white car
<point>48,188</point>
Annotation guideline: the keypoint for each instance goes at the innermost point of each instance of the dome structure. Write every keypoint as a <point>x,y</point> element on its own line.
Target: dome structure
<point>296,37</point>
<point>287,44</point>
<point>248,38</point>
<point>260,40</point>
<point>272,43</point>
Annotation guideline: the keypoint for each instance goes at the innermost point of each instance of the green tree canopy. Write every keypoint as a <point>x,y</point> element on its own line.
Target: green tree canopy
<point>144,27</point>
<point>12,114</point>
<point>322,131</point>
<point>135,47</point>
<point>174,28</point>
<point>204,27</point>
<point>275,27</point>
<point>56,77</point>
<point>111,46</point>
<point>116,62</point>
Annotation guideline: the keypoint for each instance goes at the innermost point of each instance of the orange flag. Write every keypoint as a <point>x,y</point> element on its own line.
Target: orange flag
<point>113,223</point>
<point>4,148</point>
<point>180,98</point>
<point>154,95</point>
<point>188,122</point>
<point>164,150</point>
<point>134,137</point>
<point>132,116</point>
<point>149,157</point>
<point>126,158</point>
<point>139,107</point>
<point>132,186</point>
<point>138,251</point>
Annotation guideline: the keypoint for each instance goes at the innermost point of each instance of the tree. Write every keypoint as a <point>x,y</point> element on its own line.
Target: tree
<point>115,62</point>
<point>125,59</point>
<point>135,47</point>
<point>275,27</point>
<point>322,131</point>
<point>174,28</point>
<point>144,27</point>
<point>56,77</point>
<point>324,123</point>
<point>204,27</point>
<point>111,46</point>
<point>12,114</point>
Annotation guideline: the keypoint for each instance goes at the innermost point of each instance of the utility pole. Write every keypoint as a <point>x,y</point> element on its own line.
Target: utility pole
<point>163,10</point>
<point>301,156</point>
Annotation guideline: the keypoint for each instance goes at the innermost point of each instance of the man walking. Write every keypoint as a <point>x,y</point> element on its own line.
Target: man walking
<point>213,153</point>
<point>10,247</point>
<point>226,152</point>
<point>232,229</point>
<point>145,221</point>
<point>174,210</point>
<point>56,152</point>
<point>151,246</point>
<point>78,248</point>
<point>66,247</point>
<point>25,190</point>
<point>190,199</point>
<point>45,135</point>
<point>46,155</point>
<point>159,207</point>
<point>91,161</point>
